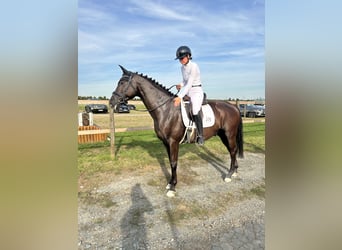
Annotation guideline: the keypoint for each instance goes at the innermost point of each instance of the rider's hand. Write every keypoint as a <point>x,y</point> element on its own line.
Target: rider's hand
<point>176,101</point>
<point>179,86</point>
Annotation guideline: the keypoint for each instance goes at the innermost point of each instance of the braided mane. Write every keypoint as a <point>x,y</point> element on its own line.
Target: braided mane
<point>157,84</point>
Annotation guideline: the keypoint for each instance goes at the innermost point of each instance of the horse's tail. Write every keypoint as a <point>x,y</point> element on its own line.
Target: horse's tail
<point>239,139</point>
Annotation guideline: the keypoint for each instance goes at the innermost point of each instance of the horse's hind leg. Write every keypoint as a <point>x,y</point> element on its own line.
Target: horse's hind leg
<point>233,168</point>
<point>230,142</point>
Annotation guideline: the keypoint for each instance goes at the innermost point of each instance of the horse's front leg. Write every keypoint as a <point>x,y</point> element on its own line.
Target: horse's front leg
<point>173,158</point>
<point>171,186</point>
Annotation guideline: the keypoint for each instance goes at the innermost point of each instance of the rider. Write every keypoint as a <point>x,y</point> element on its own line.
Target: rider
<point>192,87</point>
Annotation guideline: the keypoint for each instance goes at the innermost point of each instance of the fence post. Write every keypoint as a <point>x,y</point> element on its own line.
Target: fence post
<point>112,133</point>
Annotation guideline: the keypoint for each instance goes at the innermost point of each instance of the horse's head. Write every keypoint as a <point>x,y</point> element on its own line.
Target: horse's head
<point>125,89</point>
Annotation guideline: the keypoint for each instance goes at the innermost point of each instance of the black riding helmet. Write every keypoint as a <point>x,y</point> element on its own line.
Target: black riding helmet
<point>183,51</point>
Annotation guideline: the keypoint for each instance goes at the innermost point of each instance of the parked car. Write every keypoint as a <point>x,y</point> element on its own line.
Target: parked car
<point>96,108</point>
<point>121,108</point>
<point>131,106</point>
<point>252,110</point>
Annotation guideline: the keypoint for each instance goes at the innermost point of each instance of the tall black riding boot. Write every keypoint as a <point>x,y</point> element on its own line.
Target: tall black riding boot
<point>199,126</point>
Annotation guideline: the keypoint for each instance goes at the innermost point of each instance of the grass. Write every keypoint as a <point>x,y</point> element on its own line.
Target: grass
<point>181,209</point>
<point>143,151</point>
<point>132,120</point>
<point>258,191</point>
<point>102,199</point>
<point>254,137</point>
<point>136,118</point>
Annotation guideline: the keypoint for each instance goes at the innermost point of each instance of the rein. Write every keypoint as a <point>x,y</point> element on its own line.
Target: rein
<point>167,100</point>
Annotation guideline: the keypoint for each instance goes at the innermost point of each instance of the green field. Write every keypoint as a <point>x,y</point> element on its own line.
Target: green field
<point>142,151</point>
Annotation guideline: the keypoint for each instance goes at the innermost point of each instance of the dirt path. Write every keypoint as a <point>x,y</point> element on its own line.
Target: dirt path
<point>134,212</point>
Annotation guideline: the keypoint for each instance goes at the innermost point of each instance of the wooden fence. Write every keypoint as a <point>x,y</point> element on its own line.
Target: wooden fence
<point>88,134</point>
<point>95,134</point>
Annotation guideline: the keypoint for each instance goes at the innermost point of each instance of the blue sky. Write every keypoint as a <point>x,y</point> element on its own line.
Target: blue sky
<point>226,38</point>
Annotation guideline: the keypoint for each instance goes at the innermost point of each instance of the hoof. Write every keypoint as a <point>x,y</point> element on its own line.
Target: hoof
<point>168,187</point>
<point>171,193</point>
<point>227,179</point>
<point>234,174</point>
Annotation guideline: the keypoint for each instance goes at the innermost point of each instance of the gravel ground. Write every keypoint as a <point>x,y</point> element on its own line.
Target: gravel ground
<point>207,213</point>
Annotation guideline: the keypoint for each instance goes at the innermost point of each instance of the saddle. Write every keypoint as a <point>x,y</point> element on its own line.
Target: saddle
<point>207,114</point>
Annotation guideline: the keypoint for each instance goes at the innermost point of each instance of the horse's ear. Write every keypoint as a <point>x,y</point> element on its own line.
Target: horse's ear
<point>124,71</point>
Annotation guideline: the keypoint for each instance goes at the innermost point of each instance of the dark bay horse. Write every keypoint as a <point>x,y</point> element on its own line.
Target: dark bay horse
<point>168,123</point>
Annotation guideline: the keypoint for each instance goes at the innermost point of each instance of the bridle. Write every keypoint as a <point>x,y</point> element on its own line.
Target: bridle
<point>122,97</point>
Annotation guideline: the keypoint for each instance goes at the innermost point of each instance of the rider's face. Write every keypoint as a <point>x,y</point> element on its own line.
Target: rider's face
<point>184,60</point>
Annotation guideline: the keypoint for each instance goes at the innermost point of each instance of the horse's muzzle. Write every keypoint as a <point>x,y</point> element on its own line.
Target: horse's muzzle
<point>113,101</point>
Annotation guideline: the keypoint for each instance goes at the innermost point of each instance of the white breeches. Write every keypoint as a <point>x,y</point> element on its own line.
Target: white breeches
<point>196,101</point>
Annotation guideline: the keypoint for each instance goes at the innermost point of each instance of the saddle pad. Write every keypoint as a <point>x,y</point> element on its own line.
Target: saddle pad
<point>208,116</point>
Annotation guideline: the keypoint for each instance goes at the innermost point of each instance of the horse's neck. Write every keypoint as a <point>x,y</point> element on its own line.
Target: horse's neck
<point>151,95</point>
<point>153,98</point>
